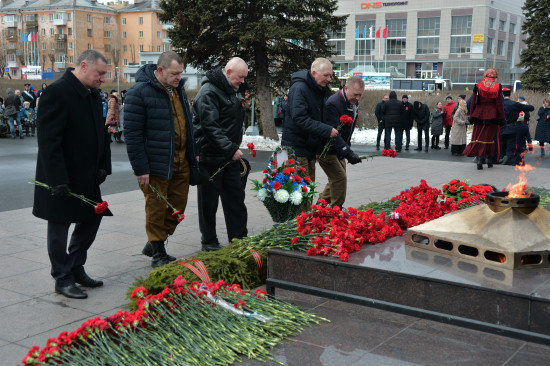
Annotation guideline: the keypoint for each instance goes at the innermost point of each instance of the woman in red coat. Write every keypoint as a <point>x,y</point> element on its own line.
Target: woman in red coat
<point>487,114</point>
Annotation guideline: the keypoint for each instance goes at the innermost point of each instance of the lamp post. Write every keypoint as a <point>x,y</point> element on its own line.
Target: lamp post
<point>117,79</point>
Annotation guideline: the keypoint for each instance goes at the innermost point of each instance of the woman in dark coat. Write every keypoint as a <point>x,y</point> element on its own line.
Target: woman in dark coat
<point>542,133</point>
<point>422,118</point>
<point>487,113</point>
<point>436,121</point>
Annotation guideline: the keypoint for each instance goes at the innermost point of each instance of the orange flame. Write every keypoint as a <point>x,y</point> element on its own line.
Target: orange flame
<point>518,190</point>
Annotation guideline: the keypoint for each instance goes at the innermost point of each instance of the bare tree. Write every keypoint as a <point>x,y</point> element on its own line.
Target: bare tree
<point>3,62</point>
<point>116,50</point>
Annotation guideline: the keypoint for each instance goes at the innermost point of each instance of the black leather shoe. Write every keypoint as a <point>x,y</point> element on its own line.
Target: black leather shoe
<point>211,247</point>
<point>479,166</point>
<point>86,281</point>
<point>418,149</point>
<point>148,251</point>
<point>71,291</point>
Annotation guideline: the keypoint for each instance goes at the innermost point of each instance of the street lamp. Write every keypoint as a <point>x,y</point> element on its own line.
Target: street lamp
<point>117,79</point>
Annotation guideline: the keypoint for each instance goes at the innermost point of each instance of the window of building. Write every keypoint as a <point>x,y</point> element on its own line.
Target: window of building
<point>60,31</point>
<point>52,31</point>
<point>512,28</point>
<point>51,17</point>
<point>123,34</point>
<point>43,31</point>
<point>106,34</point>
<point>123,21</point>
<point>43,45</point>
<point>107,20</point>
<point>490,45</point>
<point>158,20</point>
<point>52,46</point>
<point>109,61</point>
<point>107,48</point>
<point>70,59</point>
<point>167,47</point>
<point>159,34</point>
<point>461,34</point>
<point>140,20</point>
<point>90,32</point>
<point>89,17</point>
<point>396,43</point>
<point>501,25</point>
<point>337,40</point>
<point>90,46</point>
<point>364,37</point>
<point>109,75</point>
<point>70,31</point>
<point>140,34</point>
<point>124,48</point>
<point>42,17</point>
<point>125,62</point>
<point>500,48</point>
<point>427,40</point>
<point>492,23</point>
<point>510,52</point>
<point>140,48</point>
<point>159,48</point>
<point>69,16</point>
<point>70,45</point>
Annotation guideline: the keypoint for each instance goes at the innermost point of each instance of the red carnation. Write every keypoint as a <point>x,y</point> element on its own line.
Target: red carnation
<point>346,120</point>
<point>344,257</point>
<point>277,185</point>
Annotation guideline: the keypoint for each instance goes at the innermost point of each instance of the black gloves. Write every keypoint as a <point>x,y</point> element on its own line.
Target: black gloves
<point>100,176</point>
<point>61,190</point>
<point>353,158</point>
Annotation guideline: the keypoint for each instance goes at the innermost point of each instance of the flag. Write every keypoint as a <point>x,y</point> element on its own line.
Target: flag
<point>365,32</point>
<point>34,37</point>
<point>29,37</point>
<point>370,31</point>
<point>385,33</point>
<point>378,33</point>
<point>357,32</point>
<point>23,37</point>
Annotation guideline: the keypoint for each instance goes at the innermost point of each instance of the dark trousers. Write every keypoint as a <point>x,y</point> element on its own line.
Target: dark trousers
<point>228,186</point>
<point>426,137</point>
<point>508,146</point>
<point>398,138</point>
<point>447,135</point>
<point>407,132</point>
<point>435,140</point>
<point>381,128</point>
<point>65,265</point>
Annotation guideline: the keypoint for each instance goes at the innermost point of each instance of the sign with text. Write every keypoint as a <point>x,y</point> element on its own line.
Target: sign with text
<point>31,73</point>
<point>478,38</point>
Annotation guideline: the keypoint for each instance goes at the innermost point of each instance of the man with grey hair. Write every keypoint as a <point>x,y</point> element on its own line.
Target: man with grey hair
<point>218,115</point>
<point>305,125</point>
<point>74,158</point>
<point>161,148</point>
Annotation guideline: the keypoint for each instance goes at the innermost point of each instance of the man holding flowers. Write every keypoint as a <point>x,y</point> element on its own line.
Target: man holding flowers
<point>218,115</point>
<point>342,109</point>
<point>74,158</point>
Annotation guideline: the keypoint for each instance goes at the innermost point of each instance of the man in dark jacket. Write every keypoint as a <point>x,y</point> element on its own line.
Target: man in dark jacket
<point>12,106</point>
<point>304,124</point>
<point>74,157</point>
<point>29,96</point>
<point>218,115</point>
<point>380,118</point>
<point>345,102</point>
<point>422,118</point>
<point>407,119</point>
<point>161,148</point>
<point>509,130</point>
<point>393,112</point>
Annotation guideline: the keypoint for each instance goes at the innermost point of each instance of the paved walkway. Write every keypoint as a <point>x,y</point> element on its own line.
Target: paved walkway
<point>30,311</point>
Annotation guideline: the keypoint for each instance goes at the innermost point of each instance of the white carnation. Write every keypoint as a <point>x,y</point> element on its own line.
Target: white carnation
<point>296,198</point>
<point>262,194</point>
<point>281,196</point>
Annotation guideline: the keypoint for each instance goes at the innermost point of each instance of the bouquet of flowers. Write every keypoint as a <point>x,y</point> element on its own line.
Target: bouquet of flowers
<point>285,188</point>
<point>345,120</point>
<point>464,194</point>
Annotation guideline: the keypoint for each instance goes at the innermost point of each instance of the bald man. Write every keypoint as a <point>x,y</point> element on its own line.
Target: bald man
<point>218,115</point>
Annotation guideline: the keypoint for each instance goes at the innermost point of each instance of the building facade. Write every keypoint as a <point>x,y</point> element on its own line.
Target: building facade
<point>431,39</point>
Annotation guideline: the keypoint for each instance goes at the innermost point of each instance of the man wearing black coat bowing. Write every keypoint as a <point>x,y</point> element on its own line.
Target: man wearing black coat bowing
<point>74,156</point>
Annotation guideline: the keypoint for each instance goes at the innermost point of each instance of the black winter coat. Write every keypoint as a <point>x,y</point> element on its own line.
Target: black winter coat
<point>149,126</point>
<point>407,118</point>
<point>304,125</point>
<point>218,115</point>
<point>337,106</point>
<point>393,111</point>
<point>422,116</point>
<point>378,112</point>
<point>72,146</point>
<point>511,112</point>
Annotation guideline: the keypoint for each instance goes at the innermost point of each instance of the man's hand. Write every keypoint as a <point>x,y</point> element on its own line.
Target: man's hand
<point>353,158</point>
<point>333,133</point>
<point>238,154</point>
<point>61,190</point>
<point>143,180</point>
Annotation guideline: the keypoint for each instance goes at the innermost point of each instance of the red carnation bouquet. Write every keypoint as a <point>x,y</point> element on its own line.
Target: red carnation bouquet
<point>99,207</point>
<point>345,120</point>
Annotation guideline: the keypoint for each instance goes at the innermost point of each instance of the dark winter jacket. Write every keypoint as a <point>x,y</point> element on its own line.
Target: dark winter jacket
<point>542,132</point>
<point>28,96</point>
<point>149,126</point>
<point>511,113</point>
<point>407,118</point>
<point>337,106</point>
<point>73,146</point>
<point>393,110</point>
<point>422,115</point>
<point>12,104</point>
<point>378,112</point>
<point>304,124</point>
<point>218,115</point>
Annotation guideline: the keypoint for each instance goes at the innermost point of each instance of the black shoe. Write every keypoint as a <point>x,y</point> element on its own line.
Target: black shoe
<point>426,149</point>
<point>418,149</point>
<point>406,148</point>
<point>211,247</point>
<point>398,150</point>
<point>432,147</point>
<point>489,165</point>
<point>377,147</point>
<point>479,166</point>
<point>148,251</point>
<point>437,147</point>
<point>446,147</point>
<point>71,291</point>
<point>21,137</point>
<point>160,258</point>
<point>86,281</point>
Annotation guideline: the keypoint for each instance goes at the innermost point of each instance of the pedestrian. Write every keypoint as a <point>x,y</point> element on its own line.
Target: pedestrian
<point>523,142</point>
<point>120,119</point>
<point>12,106</point>
<point>393,111</point>
<point>283,107</point>
<point>28,96</point>
<point>436,122</point>
<point>159,140</point>
<point>111,121</point>
<point>421,114</point>
<point>487,114</point>
<point>380,119</point>
<point>508,131</point>
<point>74,156</point>
<point>277,110</point>
<point>448,118</point>
<point>345,102</point>
<point>542,132</point>
<point>39,92</point>
<point>305,120</point>
<point>27,118</point>
<point>459,128</point>
<point>407,120</point>
<point>218,115</point>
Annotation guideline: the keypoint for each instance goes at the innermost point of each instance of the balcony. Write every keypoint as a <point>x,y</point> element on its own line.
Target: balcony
<point>60,37</point>
<point>167,26</point>
<point>166,40</point>
<point>13,51</point>
<point>60,19</point>
<point>12,37</point>
<point>31,20</point>
<point>11,64</point>
<point>59,65</point>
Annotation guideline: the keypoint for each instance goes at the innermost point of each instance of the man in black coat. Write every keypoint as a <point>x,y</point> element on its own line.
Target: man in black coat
<point>509,130</point>
<point>304,124</point>
<point>393,112</point>
<point>29,96</point>
<point>422,117</point>
<point>218,115</point>
<point>380,118</point>
<point>74,157</point>
<point>159,140</point>
<point>345,102</point>
<point>407,120</point>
